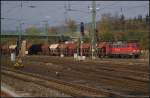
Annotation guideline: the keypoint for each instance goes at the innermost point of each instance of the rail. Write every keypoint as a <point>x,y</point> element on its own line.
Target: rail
<point>66,87</point>
<point>63,86</point>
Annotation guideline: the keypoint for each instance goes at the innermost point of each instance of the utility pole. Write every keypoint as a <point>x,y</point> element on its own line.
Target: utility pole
<point>65,13</point>
<point>93,28</point>
<point>81,54</point>
<point>18,44</point>
<point>61,41</point>
<point>17,30</point>
<point>20,34</point>
<point>46,29</point>
<point>21,54</point>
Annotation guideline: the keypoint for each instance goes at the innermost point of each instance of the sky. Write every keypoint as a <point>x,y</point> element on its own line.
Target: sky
<point>54,12</point>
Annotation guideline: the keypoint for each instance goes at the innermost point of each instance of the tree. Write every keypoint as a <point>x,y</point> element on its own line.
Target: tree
<point>32,30</point>
<point>140,18</point>
<point>86,38</point>
<point>120,36</point>
<point>104,25</point>
<point>115,22</point>
<point>122,22</point>
<point>52,30</point>
<point>71,26</point>
<point>147,19</point>
<point>144,41</point>
<point>107,36</point>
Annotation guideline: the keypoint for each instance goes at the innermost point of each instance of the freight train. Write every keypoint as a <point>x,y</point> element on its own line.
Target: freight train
<point>102,49</point>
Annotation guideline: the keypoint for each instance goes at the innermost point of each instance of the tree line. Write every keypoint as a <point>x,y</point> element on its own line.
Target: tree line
<point>109,28</point>
<point>119,28</point>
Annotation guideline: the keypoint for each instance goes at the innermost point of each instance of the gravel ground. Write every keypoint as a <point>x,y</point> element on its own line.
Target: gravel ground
<point>29,89</point>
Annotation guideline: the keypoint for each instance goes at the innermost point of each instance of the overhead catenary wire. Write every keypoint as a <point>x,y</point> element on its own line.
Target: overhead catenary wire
<point>11,2</point>
<point>12,8</point>
<point>76,10</point>
<point>107,7</point>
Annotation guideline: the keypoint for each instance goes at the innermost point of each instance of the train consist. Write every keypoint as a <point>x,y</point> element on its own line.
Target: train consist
<point>103,49</point>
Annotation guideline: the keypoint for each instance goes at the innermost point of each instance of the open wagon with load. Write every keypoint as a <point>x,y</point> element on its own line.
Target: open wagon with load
<point>54,49</point>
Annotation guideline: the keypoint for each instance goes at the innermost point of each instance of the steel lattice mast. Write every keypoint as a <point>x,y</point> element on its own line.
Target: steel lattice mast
<point>93,28</point>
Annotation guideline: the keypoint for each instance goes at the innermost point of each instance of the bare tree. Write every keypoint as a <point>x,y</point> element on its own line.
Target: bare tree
<point>32,30</point>
<point>52,30</point>
<point>71,26</point>
<point>104,25</point>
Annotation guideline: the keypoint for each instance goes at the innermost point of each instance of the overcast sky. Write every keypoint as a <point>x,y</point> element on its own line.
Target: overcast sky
<point>54,11</point>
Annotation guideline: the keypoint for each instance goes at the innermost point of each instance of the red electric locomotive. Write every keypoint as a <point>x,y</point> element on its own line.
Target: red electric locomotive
<point>123,50</point>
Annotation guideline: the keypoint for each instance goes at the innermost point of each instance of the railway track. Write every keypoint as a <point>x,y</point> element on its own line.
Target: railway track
<point>114,63</point>
<point>66,87</point>
<point>4,94</point>
<point>120,61</point>
<point>75,90</point>
<point>115,79</point>
<point>111,72</point>
<point>106,81</point>
<point>122,72</point>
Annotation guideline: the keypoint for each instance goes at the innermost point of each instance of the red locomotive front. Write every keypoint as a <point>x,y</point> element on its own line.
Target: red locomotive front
<point>125,49</point>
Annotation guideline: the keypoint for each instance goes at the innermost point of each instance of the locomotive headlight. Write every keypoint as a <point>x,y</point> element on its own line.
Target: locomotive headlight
<point>134,50</point>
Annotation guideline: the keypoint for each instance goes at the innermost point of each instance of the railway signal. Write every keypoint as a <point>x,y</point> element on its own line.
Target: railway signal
<point>82,34</point>
<point>97,37</point>
<point>82,28</point>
